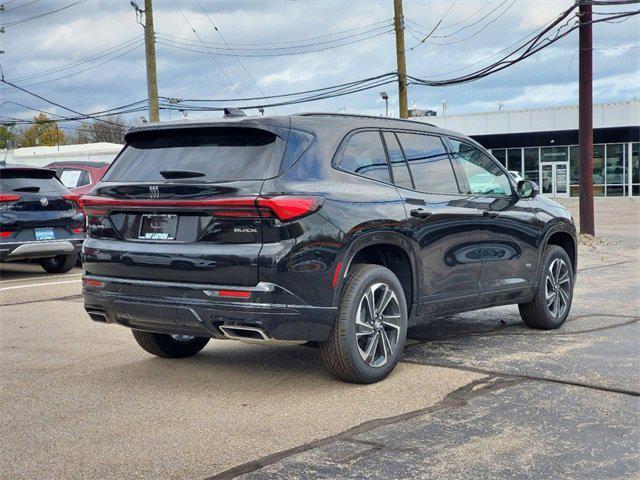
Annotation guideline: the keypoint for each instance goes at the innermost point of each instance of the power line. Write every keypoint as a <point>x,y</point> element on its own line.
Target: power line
<point>233,85</point>
<point>237,57</point>
<point>100,54</point>
<point>48,101</point>
<point>215,46</point>
<point>538,43</point>
<point>292,43</point>
<point>34,17</point>
<point>259,55</point>
<point>20,6</point>
<point>67,75</point>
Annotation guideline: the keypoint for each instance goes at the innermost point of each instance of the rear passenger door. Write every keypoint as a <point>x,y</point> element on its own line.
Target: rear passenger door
<point>442,222</point>
<point>509,225</point>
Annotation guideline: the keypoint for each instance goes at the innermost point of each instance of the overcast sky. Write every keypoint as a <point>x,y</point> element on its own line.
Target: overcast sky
<point>463,38</point>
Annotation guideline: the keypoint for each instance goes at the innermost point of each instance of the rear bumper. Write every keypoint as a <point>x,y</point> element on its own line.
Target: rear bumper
<point>10,251</point>
<point>195,309</point>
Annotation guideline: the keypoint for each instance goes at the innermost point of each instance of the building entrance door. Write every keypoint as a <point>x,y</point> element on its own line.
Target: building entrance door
<point>554,179</point>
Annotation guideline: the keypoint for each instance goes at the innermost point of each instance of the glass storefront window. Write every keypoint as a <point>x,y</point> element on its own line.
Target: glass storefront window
<point>598,170</point>
<point>500,155</point>
<point>574,170</point>
<point>635,169</point>
<point>532,164</point>
<point>615,165</point>
<point>514,160</point>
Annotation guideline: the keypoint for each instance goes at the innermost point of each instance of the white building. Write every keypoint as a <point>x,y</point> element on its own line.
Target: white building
<point>541,144</point>
<point>41,156</point>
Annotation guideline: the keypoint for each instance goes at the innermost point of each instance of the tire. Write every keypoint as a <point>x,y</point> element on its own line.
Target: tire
<point>343,351</point>
<point>60,263</point>
<point>552,301</point>
<point>166,346</point>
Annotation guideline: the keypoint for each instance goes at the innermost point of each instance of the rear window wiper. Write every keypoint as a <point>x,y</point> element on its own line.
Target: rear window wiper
<point>181,174</point>
<point>33,189</point>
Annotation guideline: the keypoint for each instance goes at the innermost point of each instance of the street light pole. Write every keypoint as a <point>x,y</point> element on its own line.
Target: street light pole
<point>385,97</point>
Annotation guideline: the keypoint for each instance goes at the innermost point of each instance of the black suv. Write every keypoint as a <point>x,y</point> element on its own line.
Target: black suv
<point>336,230</point>
<point>39,218</point>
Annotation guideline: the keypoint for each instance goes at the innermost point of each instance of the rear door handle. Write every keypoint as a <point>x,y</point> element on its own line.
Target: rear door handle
<point>490,214</point>
<point>420,213</point>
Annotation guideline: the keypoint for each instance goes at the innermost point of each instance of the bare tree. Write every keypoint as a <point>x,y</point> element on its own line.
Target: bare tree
<point>111,130</point>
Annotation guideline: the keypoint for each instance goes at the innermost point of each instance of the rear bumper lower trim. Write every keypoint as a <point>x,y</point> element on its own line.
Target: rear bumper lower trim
<point>40,248</point>
<point>168,307</point>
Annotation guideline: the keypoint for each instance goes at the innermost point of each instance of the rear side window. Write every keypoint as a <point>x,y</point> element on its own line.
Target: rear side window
<point>73,178</point>
<point>207,155</point>
<point>429,163</point>
<point>401,175</point>
<point>26,180</point>
<point>365,156</point>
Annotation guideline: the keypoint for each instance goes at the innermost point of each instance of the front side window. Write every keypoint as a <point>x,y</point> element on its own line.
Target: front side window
<point>365,156</point>
<point>483,174</point>
<point>429,163</point>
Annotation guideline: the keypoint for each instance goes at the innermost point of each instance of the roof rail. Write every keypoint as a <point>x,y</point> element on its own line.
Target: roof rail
<point>336,114</point>
<point>234,112</point>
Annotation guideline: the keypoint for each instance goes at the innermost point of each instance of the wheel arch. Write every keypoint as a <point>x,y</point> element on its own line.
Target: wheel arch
<point>391,251</point>
<point>565,239</point>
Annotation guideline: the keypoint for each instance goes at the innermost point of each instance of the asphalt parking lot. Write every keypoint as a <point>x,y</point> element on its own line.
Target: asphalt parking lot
<point>476,396</point>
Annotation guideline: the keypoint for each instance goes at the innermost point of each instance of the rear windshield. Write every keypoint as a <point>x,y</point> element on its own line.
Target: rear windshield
<point>207,155</point>
<point>26,180</point>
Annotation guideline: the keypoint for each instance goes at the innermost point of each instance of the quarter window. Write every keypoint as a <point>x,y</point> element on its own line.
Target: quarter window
<point>429,163</point>
<point>484,175</point>
<point>365,156</point>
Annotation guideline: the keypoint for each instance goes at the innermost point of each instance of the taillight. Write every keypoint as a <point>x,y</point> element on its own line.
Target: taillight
<point>77,230</point>
<point>284,207</point>
<point>9,197</point>
<point>75,198</point>
<point>290,207</point>
<point>5,233</point>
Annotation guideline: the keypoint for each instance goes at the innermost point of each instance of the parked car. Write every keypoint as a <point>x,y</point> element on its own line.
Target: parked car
<point>337,230</point>
<point>79,176</point>
<point>39,218</point>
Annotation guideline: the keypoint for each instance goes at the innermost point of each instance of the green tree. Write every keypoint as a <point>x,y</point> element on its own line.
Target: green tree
<point>6,133</point>
<point>44,131</point>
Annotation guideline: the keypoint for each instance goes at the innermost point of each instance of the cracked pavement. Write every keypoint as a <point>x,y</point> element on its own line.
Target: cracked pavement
<point>477,395</point>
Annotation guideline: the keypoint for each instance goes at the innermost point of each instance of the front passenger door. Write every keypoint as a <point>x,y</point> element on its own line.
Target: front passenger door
<point>443,223</point>
<point>509,225</point>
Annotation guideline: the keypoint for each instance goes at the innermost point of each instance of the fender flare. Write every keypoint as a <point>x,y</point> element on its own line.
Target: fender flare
<point>378,238</point>
<point>567,228</point>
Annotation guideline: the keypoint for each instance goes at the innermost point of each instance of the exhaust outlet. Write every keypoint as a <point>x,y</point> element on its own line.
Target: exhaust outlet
<point>251,334</point>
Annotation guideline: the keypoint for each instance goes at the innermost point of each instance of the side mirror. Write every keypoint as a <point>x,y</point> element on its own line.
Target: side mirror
<point>527,189</point>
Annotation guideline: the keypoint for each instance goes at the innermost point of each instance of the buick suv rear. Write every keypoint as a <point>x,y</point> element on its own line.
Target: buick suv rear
<point>329,230</point>
<point>39,218</point>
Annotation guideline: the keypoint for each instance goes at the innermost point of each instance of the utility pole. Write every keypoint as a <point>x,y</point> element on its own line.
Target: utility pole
<point>585,134</point>
<point>402,63</point>
<point>150,53</point>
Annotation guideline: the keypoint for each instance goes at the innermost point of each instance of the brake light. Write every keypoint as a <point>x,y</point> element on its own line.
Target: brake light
<point>9,197</point>
<point>93,283</point>
<point>234,293</point>
<point>290,207</point>
<point>77,230</point>
<point>75,198</point>
<point>5,234</point>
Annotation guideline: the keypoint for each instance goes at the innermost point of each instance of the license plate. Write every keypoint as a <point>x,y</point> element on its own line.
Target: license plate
<point>44,233</point>
<point>158,227</point>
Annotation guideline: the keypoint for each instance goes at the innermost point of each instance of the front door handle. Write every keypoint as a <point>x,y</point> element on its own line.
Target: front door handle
<point>420,213</point>
<point>490,214</point>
